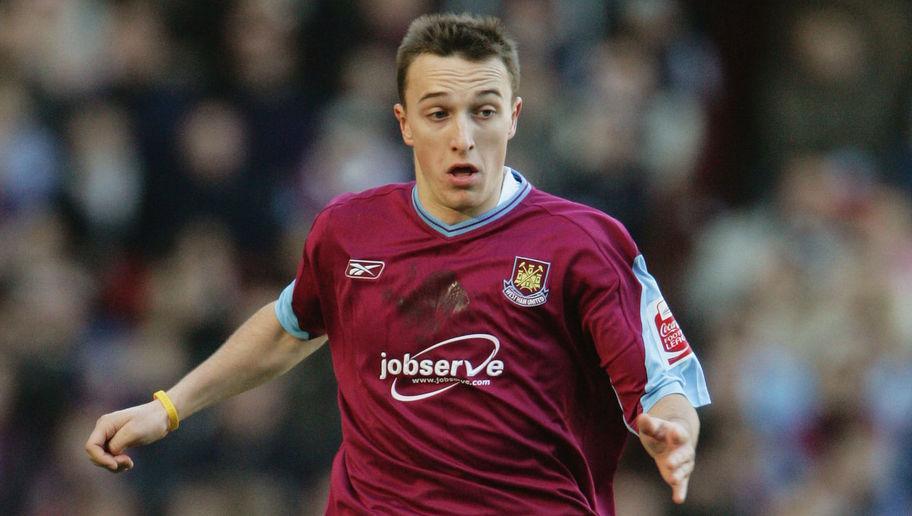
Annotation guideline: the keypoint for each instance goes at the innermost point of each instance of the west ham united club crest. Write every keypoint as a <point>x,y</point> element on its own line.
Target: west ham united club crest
<point>527,285</point>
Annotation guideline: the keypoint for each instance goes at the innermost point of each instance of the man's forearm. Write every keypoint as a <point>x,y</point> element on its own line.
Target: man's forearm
<point>675,407</point>
<point>257,352</point>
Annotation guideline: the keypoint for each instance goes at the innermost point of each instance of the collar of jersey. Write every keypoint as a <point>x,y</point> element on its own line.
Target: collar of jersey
<point>495,213</point>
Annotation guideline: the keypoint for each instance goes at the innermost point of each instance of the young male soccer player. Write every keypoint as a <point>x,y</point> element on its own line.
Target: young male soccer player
<point>493,344</point>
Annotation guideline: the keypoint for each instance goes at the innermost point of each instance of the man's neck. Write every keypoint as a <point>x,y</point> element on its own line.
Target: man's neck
<point>508,187</point>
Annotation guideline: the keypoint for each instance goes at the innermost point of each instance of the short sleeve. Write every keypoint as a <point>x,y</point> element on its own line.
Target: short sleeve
<point>285,313</point>
<point>671,365</point>
<point>639,343</point>
<point>298,308</point>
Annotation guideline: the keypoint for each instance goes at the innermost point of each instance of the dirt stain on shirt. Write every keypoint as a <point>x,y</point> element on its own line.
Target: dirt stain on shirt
<point>436,299</point>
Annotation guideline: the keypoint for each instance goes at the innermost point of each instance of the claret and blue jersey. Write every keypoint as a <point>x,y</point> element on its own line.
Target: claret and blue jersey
<point>491,366</point>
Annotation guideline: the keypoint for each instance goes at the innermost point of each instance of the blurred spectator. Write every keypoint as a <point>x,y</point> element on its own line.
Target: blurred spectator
<point>833,78</point>
<point>359,146</point>
<point>29,154</point>
<point>806,282</point>
<point>106,183</point>
<point>388,21</point>
<point>598,144</point>
<point>56,45</point>
<point>265,82</point>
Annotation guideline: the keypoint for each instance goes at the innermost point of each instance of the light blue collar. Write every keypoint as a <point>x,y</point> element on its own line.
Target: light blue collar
<point>511,196</point>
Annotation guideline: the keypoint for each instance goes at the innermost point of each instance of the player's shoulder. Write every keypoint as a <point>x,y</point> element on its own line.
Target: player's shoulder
<point>371,203</point>
<point>353,201</point>
<point>591,224</point>
<point>361,209</point>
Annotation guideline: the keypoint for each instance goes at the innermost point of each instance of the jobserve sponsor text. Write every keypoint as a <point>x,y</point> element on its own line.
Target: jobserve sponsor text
<point>465,360</point>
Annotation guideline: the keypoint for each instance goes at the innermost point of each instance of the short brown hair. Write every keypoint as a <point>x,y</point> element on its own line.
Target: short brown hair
<point>472,37</point>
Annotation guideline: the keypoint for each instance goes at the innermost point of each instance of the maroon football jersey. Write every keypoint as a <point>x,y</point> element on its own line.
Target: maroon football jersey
<point>488,367</point>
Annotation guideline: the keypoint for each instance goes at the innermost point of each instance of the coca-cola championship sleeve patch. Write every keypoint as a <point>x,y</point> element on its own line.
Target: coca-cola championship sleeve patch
<point>671,365</point>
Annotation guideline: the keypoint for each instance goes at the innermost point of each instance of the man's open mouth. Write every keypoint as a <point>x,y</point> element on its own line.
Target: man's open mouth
<point>462,170</point>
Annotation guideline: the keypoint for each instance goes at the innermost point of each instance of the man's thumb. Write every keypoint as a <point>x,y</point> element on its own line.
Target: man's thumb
<point>119,442</point>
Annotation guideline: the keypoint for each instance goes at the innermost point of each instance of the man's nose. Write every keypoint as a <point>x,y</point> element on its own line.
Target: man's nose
<point>462,138</point>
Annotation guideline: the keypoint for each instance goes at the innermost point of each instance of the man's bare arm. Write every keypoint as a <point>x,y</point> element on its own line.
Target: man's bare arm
<point>257,352</point>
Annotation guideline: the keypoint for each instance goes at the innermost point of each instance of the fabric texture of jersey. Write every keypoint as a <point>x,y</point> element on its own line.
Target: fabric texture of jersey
<point>489,367</point>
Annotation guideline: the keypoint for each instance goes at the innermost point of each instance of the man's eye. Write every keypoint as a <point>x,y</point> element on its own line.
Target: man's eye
<point>486,113</point>
<point>438,115</point>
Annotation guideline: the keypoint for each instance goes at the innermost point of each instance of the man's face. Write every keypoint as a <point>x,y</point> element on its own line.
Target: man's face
<point>458,117</point>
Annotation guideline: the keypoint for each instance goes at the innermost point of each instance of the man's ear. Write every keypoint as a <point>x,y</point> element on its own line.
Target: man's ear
<point>404,127</point>
<point>514,115</point>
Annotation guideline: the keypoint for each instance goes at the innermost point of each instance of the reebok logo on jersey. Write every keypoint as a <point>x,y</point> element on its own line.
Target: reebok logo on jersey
<point>364,269</point>
<point>466,360</point>
<point>672,344</point>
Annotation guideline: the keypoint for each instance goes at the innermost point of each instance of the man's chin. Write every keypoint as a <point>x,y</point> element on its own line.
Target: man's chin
<point>467,202</point>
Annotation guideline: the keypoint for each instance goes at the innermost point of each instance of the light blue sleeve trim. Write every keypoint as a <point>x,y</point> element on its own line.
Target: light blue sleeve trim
<point>683,377</point>
<point>286,316</point>
<point>695,391</point>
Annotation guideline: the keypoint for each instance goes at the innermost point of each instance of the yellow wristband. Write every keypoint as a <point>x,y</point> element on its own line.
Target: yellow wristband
<point>173,419</point>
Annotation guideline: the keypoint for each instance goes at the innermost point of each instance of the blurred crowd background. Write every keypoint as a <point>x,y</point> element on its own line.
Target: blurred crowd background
<point>161,161</point>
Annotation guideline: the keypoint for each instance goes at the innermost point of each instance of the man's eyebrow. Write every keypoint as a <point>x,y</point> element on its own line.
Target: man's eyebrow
<point>489,92</point>
<point>436,94</point>
<point>433,94</point>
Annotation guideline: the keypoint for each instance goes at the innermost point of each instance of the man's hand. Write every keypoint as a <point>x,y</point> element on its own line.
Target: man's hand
<point>117,431</point>
<point>257,352</point>
<point>673,448</point>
